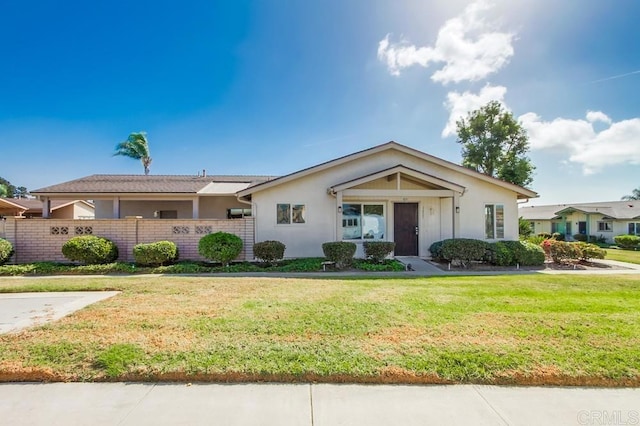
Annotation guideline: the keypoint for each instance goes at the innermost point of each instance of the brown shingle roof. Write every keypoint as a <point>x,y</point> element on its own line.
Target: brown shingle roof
<point>172,184</point>
<point>614,209</point>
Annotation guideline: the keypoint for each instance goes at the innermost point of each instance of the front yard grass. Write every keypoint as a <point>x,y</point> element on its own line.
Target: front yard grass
<point>629,256</point>
<point>523,329</point>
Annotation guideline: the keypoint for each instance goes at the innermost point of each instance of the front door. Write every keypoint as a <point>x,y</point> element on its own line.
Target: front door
<point>405,228</point>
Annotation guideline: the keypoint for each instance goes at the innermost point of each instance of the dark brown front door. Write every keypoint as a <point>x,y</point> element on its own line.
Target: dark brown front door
<point>405,228</point>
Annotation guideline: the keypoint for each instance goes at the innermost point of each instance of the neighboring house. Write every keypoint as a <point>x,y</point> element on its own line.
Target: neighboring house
<point>602,220</point>
<point>59,209</point>
<point>386,193</point>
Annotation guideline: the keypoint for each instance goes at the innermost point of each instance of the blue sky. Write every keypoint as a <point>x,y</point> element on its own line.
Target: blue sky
<point>273,86</point>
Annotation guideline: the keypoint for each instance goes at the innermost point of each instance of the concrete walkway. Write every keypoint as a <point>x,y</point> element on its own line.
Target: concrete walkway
<point>312,404</point>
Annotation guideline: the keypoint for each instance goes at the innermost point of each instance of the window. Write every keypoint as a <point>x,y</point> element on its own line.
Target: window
<point>493,221</point>
<point>634,228</point>
<point>290,213</point>
<point>555,227</point>
<point>605,226</point>
<point>238,213</point>
<point>168,214</point>
<point>363,221</point>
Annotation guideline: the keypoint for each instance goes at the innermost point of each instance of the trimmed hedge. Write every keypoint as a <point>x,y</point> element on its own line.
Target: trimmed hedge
<point>590,251</point>
<point>377,251</point>
<point>220,247</point>
<point>340,252</point>
<point>90,250</point>
<point>580,237</point>
<point>155,254</point>
<point>269,251</point>
<point>6,251</point>
<point>557,236</point>
<point>512,253</point>
<point>628,242</point>
<point>561,251</point>
<point>464,250</point>
<point>436,251</point>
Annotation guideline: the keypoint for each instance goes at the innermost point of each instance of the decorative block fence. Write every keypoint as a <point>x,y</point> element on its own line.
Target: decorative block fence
<point>42,239</point>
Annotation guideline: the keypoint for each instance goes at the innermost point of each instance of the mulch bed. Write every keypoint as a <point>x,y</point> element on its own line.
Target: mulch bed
<point>548,265</point>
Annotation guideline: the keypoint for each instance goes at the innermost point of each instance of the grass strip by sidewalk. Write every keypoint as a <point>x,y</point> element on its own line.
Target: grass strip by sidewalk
<point>629,256</point>
<point>532,329</point>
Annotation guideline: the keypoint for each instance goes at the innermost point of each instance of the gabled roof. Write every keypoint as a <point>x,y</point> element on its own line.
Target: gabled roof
<point>522,192</point>
<point>143,184</point>
<point>30,205</point>
<point>611,209</point>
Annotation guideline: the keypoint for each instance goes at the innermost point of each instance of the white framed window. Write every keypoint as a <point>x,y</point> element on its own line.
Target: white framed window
<point>238,213</point>
<point>287,214</point>
<point>493,221</point>
<point>605,226</point>
<point>634,228</point>
<point>363,221</point>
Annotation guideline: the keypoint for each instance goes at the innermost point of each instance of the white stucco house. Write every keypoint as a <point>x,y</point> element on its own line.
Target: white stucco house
<point>390,192</point>
<point>599,219</point>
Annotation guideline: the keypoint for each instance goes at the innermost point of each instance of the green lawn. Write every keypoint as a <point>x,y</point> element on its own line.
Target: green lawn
<point>624,255</point>
<point>524,329</point>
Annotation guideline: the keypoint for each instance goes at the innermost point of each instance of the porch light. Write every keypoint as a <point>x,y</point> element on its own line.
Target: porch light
<point>339,209</point>
<point>457,209</point>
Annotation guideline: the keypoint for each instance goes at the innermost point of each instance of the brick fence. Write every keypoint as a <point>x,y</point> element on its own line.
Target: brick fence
<point>42,239</point>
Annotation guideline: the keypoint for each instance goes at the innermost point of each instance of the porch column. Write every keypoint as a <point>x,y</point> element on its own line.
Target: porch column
<point>456,214</point>
<point>116,207</point>
<point>339,216</point>
<point>196,208</point>
<point>46,207</point>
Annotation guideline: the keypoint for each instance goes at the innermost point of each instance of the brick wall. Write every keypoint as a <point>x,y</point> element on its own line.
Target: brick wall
<point>42,239</point>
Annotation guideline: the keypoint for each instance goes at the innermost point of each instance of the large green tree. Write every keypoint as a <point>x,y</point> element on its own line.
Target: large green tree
<point>137,147</point>
<point>8,190</point>
<point>4,192</point>
<point>635,195</point>
<point>494,143</point>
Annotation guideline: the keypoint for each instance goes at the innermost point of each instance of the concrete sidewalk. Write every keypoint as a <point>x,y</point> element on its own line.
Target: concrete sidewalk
<point>312,404</point>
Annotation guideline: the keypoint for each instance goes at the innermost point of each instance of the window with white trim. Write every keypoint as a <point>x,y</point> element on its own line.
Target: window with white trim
<point>290,213</point>
<point>634,228</point>
<point>363,221</point>
<point>493,221</point>
<point>605,226</point>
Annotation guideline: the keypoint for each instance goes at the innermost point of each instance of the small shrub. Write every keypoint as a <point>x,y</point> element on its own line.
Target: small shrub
<point>90,250</point>
<point>561,251</point>
<point>524,228</point>
<point>511,253</point>
<point>155,254</point>
<point>580,237</point>
<point>627,242</point>
<point>340,252</point>
<point>269,251</point>
<point>500,254</point>
<point>377,251</point>
<point>557,236</point>
<point>535,239</point>
<point>590,251</point>
<point>530,255</point>
<point>220,247</point>
<point>6,251</point>
<point>464,250</point>
<point>436,251</point>
<point>545,235</point>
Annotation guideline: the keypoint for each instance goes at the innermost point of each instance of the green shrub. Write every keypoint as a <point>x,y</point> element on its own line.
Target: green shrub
<point>628,242</point>
<point>580,237</point>
<point>500,254</point>
<point>377,251</point>
<point>545,235</point>
<point>6,251</point>
<point>561,251</point>
<point>220,247</point>
<point>535,239</point>
<point>590,251</point>
<point>557,236</point>
<point>340,252</point>
<point>90,250</point>
<point>436,251</point>
<point>155,254</point>
<point>269,251</point>
<point>464,250</point>
<point>530,254</point>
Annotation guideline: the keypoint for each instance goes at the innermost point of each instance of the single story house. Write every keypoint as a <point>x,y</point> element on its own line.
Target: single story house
<point>602,219</point>
<point>390,192</point>
<point>58,209</point>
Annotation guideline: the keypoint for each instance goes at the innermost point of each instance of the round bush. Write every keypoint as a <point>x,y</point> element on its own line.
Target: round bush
<point>220,247</point>
<point>155,254</point>
<point>580,237</point>
<point>436,251</point>
<point>530,254</point>
<point>269,251</point>
<point>340,252</point>
<point>501,254</point>
<point>628,242</point>
<point>464,250</point>
<point>377,251</point>
<point>90,250</point>
<point>590,251</point>
<point>6,251</point>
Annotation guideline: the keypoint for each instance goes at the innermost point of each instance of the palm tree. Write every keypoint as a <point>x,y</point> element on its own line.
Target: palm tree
<point>137,147</point>
<point>635,195</point>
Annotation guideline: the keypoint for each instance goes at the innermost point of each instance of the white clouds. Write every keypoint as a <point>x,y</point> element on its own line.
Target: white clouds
<point>469,48</point>
<point>619,144</point>
<point>460,104</point>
